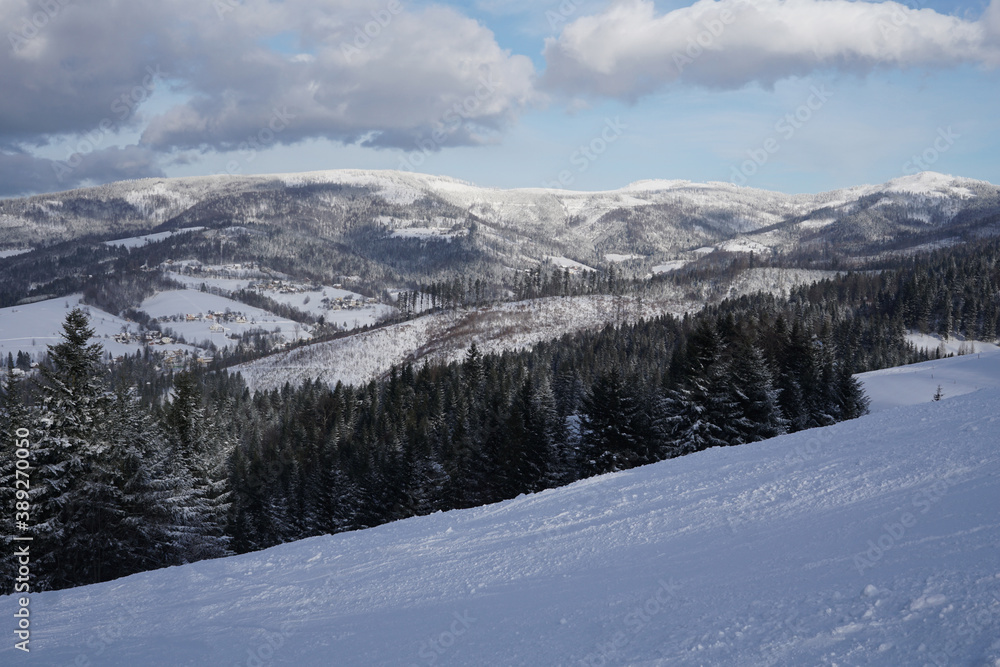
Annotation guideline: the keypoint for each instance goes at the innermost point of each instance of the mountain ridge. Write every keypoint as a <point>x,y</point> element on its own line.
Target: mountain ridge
<point>652,219</point>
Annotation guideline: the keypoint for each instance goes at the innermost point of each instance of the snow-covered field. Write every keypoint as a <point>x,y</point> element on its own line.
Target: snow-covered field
<point>196,303</point>
<point>872,542</point>
<point>14,252</point>
<point>918,383</point>
<point>33,327</point>
<point>445,337</point>
<point>308,301</point>
<point>567,263</point>
<point>424,233</point>
<point>139,241</point>
<point>669,266</point>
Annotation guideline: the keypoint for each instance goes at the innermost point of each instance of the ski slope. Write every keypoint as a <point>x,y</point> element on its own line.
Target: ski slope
<point>872,542</point>
<point>918,383</point>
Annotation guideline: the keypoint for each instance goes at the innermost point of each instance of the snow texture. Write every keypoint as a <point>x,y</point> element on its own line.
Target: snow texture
<point>869,542</point>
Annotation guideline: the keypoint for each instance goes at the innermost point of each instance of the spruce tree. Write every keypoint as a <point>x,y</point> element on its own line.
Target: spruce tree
<point>198,460</point>
<point>102,511</point>
<point>757,414</point>
<point>68,496</point>
<point>13,417</point>
<point>609,436</point>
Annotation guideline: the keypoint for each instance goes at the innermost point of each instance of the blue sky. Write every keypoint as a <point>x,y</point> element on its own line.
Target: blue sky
<point>790,95</point>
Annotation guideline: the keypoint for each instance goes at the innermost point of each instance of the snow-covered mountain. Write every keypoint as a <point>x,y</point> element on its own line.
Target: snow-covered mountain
<point>869,542</point>
<point>646,222</point>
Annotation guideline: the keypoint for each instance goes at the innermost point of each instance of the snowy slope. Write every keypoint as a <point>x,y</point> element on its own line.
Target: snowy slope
<point>508,326</point>
<point>180,303</point>
<point>446,337</point>
<point>918,383</point>
<point>871,542</point>
<point>33,327</point>
<point>657,219</point>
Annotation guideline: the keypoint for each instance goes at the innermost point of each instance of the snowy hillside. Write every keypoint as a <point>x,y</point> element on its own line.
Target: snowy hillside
<point>509,326</point>
<point>33,327</point>
<point>918,383</point>
<point>446,337</point>
<point>656,220</point>
<point>870,542</point>
<point>202,316</point>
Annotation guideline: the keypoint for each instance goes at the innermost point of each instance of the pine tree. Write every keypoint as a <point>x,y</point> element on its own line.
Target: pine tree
<point>609,424</point>
<point>700,407</point>
<point>68,499</point>
<point>198,461</point>
<point>102,512</point>
<point>757,415</point>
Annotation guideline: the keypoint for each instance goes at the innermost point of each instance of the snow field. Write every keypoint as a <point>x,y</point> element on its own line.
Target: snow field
<point>33,327</point>
<point>193,302</point>
<point>918,383</point>
<point>139,241</point>
<point>308,301</point>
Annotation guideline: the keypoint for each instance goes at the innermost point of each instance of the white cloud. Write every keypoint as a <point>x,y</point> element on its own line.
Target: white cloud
<point>385,78</point>
<point>373,71</point>
<point>628,50</point>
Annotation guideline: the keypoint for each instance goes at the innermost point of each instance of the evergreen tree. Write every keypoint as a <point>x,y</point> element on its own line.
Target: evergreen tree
<point>13,417</point>
<point>757,414</point>
<point>69,500</point>
<point>609,424</point>
<point>101,512</point>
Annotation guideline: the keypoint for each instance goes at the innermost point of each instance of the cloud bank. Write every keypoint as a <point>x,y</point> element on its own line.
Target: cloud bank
<point>628,50</point>
<point>355,71</point>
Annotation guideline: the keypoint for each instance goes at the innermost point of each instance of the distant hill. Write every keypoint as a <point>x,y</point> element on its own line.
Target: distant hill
<point>409,224</point>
